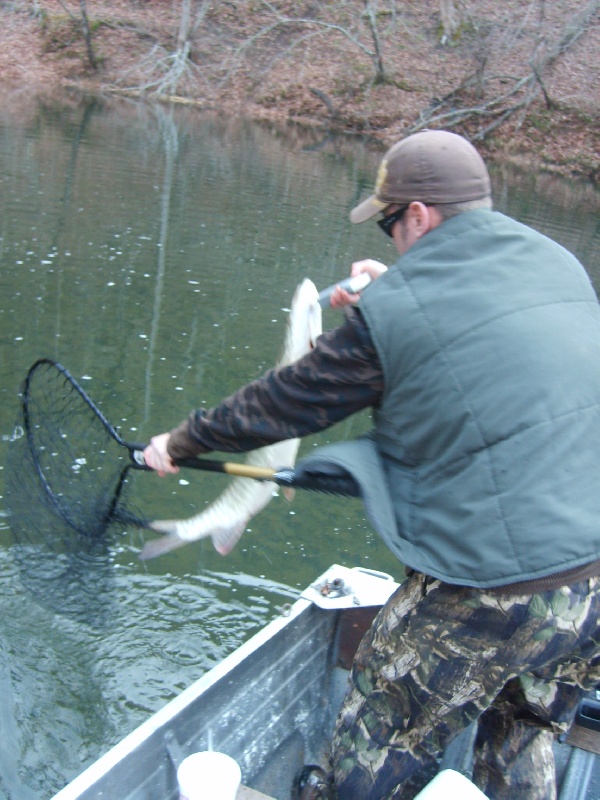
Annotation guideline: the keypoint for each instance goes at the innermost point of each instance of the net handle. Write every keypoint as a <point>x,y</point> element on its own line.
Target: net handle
<point>285,476</point>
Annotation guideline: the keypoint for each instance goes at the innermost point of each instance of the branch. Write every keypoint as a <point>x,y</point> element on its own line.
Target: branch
<point>529,86</point>
<point>283,20</point>
<point>163,76</point>
<point>69,13</point>
<point>370,13</point>
<point>160,75</point>
<point>296,43</point>
<point>326,101</point>
<point>87,34</point>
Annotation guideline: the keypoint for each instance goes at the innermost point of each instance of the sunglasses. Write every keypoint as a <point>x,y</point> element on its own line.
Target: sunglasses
<point>387,223</point>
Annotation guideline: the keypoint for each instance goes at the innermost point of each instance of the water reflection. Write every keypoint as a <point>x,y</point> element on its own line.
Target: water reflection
<point>153,252</point>
<point>78,585</point>
<point>70,691</point>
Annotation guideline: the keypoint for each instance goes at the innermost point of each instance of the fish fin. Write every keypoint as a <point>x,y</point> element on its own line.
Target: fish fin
<point>164,526</point>
<point>158,547</point>
<point>225,538</point>
<point>289,493</point>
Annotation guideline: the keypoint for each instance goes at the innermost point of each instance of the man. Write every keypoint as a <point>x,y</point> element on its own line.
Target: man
<point>479,352</point>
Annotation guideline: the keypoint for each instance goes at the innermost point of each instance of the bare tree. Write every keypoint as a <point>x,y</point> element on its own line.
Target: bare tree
<point>315,26</point>
<point>85,28</point>
<point>166,73</point>
<point>492,112</point>
<point>450,19</point>
<point>512,52</point>
<point>87,34</point>
<point>371,15</point>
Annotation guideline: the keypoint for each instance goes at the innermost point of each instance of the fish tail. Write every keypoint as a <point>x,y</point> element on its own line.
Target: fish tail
<point>224,537</point>
<point>188,530</point>
<point>173,539</point>
<point>158,547</point>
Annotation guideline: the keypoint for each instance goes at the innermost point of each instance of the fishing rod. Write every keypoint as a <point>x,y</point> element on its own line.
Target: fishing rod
<point>354,285</point>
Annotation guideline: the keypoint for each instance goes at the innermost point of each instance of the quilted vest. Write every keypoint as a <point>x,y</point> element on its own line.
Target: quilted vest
<point>484,455</point>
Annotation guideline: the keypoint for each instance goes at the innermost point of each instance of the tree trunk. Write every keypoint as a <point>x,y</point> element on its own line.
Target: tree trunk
<point>183,37</point>
<point>87,34</point>
<point>450,18</point>
<point>372,18</point>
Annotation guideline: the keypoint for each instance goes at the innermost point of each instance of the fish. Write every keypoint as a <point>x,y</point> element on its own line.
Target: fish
<point>227,517</point>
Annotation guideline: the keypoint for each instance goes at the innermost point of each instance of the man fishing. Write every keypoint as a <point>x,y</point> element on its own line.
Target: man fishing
<point>479,353</point>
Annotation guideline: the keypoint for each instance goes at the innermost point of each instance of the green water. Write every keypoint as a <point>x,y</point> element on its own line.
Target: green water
<point>154,252</point>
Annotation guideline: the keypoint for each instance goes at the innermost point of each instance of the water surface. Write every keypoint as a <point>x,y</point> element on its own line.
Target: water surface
<point>154,252</point>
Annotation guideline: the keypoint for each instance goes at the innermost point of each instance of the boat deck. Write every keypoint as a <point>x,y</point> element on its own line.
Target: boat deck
<point>272,705</point>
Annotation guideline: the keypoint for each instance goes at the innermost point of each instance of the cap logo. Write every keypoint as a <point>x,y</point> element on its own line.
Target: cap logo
<point>382,174</point>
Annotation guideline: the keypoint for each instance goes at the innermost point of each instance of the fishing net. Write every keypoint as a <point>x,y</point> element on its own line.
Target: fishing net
<point>65,490</point>
<point>67,469</point>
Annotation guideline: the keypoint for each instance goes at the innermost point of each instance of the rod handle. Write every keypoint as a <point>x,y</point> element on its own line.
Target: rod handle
<point>353,285</point>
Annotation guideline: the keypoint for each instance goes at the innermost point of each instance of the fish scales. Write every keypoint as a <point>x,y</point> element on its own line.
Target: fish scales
<point>227,517</point>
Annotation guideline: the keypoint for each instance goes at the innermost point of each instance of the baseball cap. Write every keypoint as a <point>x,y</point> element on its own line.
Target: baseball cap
<point>434,167</point>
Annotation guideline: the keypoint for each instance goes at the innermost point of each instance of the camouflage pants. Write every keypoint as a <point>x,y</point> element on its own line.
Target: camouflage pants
<point>438,657</point>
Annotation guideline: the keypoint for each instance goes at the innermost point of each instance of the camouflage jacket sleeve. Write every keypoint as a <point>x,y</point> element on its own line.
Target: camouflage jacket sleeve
<point>340,376</point>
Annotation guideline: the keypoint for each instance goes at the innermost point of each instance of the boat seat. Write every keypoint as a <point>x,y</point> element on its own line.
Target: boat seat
<point>585,730</point>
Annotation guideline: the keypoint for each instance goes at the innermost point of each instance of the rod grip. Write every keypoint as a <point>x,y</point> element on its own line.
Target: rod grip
<point>353,285</point>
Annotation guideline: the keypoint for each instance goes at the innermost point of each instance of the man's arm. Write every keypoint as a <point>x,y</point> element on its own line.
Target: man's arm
<point>341,376</point>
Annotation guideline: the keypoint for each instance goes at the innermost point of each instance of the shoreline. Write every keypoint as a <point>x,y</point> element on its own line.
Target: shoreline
<point>44,57</point>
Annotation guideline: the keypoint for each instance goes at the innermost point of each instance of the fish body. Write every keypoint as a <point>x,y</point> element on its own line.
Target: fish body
<point>227,517</point>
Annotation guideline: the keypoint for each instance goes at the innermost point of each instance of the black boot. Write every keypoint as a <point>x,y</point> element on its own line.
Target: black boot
<point>312,783</point>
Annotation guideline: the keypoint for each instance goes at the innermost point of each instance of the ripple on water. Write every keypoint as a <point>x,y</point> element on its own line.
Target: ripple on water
<point>158,634</point>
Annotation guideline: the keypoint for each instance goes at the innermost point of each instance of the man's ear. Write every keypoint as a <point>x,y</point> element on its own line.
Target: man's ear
<point>421,218</point>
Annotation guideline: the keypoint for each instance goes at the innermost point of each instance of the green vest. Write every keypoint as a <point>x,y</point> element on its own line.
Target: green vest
<point>482,468</point>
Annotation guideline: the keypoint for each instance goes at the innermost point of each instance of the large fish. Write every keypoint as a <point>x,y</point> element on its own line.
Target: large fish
<point>227,517</point>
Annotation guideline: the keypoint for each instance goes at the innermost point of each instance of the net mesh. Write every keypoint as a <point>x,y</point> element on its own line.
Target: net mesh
<point>67,474</point>
<point>65,490</point>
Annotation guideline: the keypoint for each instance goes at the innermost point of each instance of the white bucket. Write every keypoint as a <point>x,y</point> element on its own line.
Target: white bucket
<point>450,785</point>
<point>208,776</point>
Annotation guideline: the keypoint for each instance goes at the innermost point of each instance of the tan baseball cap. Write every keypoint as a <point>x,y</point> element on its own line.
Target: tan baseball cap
<point>430,166</point>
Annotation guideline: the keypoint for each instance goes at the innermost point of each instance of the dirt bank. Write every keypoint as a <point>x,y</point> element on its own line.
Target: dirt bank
<point>520,81</point>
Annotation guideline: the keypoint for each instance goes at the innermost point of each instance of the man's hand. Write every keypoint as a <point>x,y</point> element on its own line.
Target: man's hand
<point>157,456</point>
<point>340,297</point>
